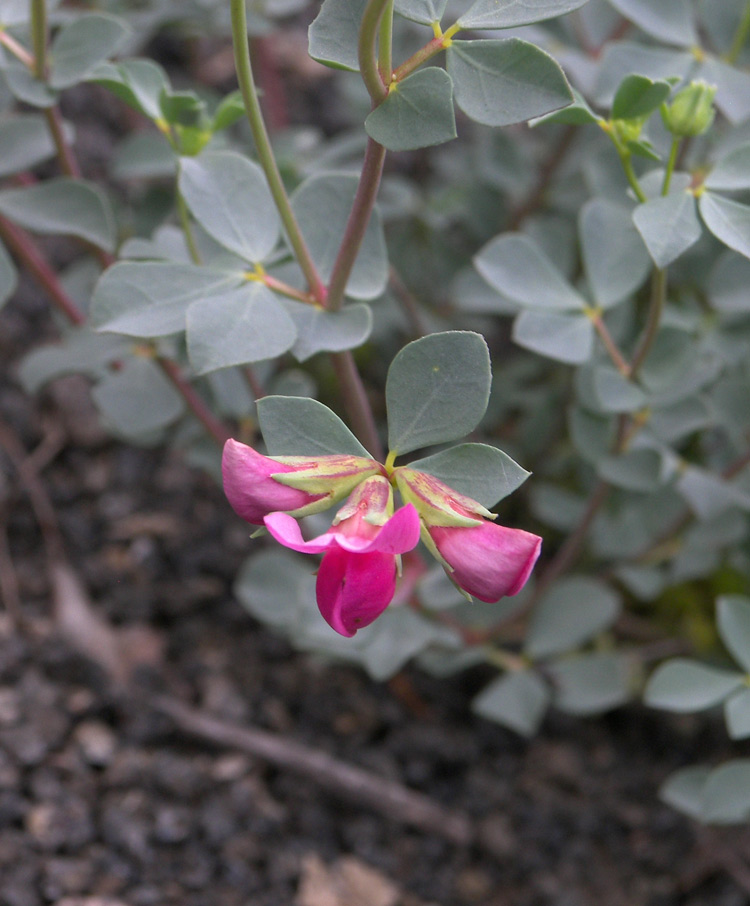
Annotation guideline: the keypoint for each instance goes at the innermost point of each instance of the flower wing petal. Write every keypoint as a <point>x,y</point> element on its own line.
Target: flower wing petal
<point>286,531</point>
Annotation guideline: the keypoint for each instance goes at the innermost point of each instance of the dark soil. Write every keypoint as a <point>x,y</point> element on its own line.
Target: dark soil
<point>104,801</point>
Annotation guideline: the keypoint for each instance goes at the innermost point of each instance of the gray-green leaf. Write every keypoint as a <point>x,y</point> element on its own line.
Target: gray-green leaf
<point>479,471</point>
<point>511,13</point>
<point>334,34</point>
<point>298,426</point>
<point>72,207</point>
<point>518,701</point>
<point>150,299</point>
<point>515,266</point>
<point>733,621</point>
<point>728,220</point>
<point>8,276</point>
<point>418,112</point>
<point>229,196</point>
<point>615,261</point>
<point>81,45</point>
<point>437,389</point>
<point>686,685</point>
<point>668,226</point>
<point>244,325</point>
<point>328,331</point>
<point>574,610</point>
<point>499,82</point>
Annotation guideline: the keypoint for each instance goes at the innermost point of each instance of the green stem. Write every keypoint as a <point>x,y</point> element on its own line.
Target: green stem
<point>627,166</point>
<point>65,154</point>
<point>671,162</point>
<point>187,228</point>
<point>368,60</point>
<point>357,405</point>
<point>265,152</point>
<point>656,306</point>
<point>356,225</point>
<point>385,45</point>
<point>431,49</point>
<point>39,37</point>
<point>740,36</point>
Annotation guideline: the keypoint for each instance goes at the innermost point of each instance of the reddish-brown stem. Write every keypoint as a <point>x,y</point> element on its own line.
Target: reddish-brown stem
<point>27,252</point>
<point>65,154</point>
<point>200,410</point>
<point>357,404</point>
<point>356,225</point>
<point>18,50</point>
<point>617,357</point>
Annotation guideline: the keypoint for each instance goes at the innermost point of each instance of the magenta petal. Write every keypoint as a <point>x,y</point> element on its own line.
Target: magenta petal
<point>489,561</point>
<point>354,589</point>
<point>286,531</point>
<point>397,536</point>
<point>249,487</point>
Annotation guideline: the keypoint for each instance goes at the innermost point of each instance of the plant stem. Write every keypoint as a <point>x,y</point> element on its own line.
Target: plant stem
<point>673,152</point>
<point>431,49</point>
<point>265,152</point>
<point>357,405</point>
<point>656,306</point>
<point>740,36</point>
<point>68,162</point>
<point>368,60</point>
<point>627,166</point>
<point>356,225</point>
<point>28,253</point>
<point>39,37</point>
<point>187,227</point>
<point>568,552</point>
<point>617,357</point>
<point>17,49</point>
<point>385,45</point>
<point>195,402</point>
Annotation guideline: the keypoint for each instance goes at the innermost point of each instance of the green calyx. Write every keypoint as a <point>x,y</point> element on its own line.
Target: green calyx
<point>436,503</point>
<point>692,110</point>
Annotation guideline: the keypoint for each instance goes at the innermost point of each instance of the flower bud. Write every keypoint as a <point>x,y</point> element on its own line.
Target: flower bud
<point>692,111</point>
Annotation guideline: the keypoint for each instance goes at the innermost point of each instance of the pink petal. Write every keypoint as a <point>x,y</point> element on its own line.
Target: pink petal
<point>249,487</point>
<point>490,561</point>
<point>354,589</point>
<point>286,531</point>
<point>398,535</point>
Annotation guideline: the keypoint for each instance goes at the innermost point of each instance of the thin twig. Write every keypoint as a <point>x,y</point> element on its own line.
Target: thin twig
<point>392,799</point>
<point>409,304</point>
<point>357,404</point>
<point>546,173</point>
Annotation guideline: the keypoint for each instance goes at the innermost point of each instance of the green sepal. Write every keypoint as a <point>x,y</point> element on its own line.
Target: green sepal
<point>437,503</point>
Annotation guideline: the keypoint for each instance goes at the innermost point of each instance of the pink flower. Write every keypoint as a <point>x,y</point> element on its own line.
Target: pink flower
<point>357,577</point>
<point>486,560</point>
<point>256,485</point>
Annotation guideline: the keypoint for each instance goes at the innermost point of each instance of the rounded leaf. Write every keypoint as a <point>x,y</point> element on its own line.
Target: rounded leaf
<point>437,389</point>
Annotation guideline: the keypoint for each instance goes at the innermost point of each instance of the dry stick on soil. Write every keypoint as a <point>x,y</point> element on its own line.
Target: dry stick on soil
<point>92,635</point>
<point>391,799</point>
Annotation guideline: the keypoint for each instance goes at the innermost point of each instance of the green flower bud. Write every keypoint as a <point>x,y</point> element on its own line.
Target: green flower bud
<point>692,111</point>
